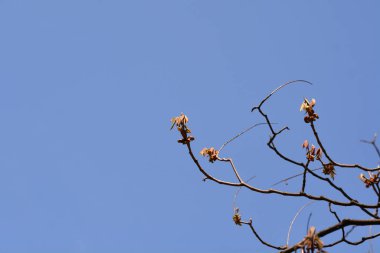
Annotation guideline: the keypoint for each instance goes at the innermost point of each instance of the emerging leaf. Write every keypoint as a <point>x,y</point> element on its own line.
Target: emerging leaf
<point>212,153</point>
<point>305,144</point>
<point>318,155</point>
<point>237,219</point>
<point>328,169</point>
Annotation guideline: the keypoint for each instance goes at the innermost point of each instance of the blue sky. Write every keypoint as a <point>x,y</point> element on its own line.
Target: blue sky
<point>87,90</point>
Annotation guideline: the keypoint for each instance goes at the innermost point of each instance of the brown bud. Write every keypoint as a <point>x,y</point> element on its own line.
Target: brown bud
<point>312,150</point>
<point>319,154</point>
<point>310,157</point>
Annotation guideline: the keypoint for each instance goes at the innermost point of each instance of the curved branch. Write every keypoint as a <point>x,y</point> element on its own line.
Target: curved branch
<point>259,238</point>
<point>272,191</point>
<point>312,238</point>
<point>277,89</point>
<point>342,165</point>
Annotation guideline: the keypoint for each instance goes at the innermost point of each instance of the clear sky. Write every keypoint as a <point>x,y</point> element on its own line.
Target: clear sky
<point>87,90</point>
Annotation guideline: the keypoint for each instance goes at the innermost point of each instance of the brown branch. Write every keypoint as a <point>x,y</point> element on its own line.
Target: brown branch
<point>342,165</point>
<point>208,176</point>
<point>312,238</point>
<point>277,89</point>
<point>340,225</point>
<point>249,223</point>
<point>339,189</point>
<point>348,222</point>
<point>233,167</point>
<point>304,176</point>
<point>272,191</point>
<point>338,219</point>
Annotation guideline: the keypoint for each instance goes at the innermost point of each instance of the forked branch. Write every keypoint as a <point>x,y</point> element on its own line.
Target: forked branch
<point>311,242</point>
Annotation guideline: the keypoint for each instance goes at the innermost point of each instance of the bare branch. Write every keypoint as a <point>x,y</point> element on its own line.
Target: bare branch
<point>249,223</point>
<point>340,225</point>
<point>336,163</point>
<point>277,89</point>
<point>311,241</point>
<point>237,193</point>
<point>373,143</point>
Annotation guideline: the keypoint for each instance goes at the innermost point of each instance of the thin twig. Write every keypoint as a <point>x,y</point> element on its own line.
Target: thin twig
<point>249,223</point>
<point>233,167</point>
<point>349,231</point>
<point>358,166</point>
<point>294,219</point>
<point>308,222</point>
<point>342,224</point>
<point>243,132</point>
<point>292,177</point>
<point>237,192</point>
<point>349,201</point>
<point>304,176</point>
<point>277,89</point>
<point>373,143</point>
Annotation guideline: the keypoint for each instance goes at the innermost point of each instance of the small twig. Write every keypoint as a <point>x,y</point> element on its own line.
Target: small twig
<point>358,166</point>
<point>237,193</point>
<point>271,145</point>
<point>294,219</point>
<point>341,190</point>
<point>338,219</point>
<point>373,143</point>
<point>233,167</point>
<point>349,231</point>
<point>292,177</point>
<point>308,222</point>
<point>243,132</point>
<point>249,223</point>
<point>304,176</point>
<point>277,89</point>
<point>363,239</point>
